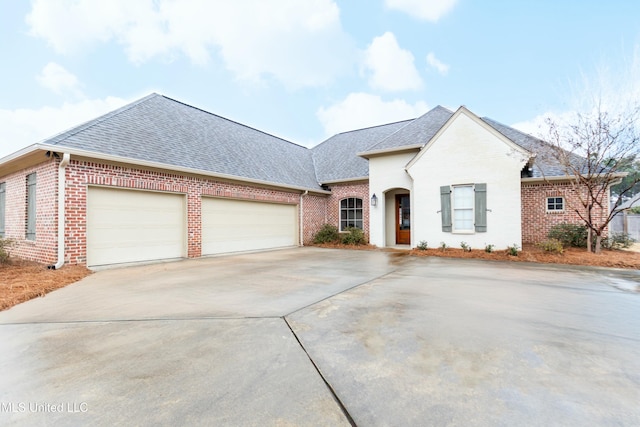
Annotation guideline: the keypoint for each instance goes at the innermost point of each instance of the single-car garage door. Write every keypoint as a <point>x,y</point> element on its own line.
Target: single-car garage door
<point>132,226</point>
<point>239,225</point>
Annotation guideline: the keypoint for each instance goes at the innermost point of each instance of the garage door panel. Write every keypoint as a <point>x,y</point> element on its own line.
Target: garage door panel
<point>238,225</point>
<point>132,226</point>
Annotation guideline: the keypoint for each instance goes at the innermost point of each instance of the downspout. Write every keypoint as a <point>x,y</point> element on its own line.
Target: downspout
<point>61,218</point>
<point>302,217</point>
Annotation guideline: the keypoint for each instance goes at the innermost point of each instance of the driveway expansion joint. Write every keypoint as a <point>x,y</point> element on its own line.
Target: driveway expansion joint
<point>326,382</point>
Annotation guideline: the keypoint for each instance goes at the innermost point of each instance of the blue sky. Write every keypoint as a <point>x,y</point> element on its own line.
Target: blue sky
<point>304,70</point>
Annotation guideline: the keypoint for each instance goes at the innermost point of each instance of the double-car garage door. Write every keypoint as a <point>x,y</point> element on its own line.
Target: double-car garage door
<point>132,226</point>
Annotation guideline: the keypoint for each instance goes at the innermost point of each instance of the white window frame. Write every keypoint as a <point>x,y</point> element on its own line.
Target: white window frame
<point>454,229</point>
<point>348,209</point>
<point>554,210</point>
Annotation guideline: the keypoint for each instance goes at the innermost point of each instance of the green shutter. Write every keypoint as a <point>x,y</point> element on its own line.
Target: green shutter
<point>445,207</point>
<point>3,192</point>
<point>31,207</point>
<point>481,207</point>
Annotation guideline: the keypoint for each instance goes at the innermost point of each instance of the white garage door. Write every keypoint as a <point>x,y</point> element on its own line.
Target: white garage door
<point>238,225</point>
<point>132,226</point>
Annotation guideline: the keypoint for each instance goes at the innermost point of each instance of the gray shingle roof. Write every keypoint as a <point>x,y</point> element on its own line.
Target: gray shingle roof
<point>416,132</point>
<point>336,158</point>
<point>160,129</point>
<point>546,164</point>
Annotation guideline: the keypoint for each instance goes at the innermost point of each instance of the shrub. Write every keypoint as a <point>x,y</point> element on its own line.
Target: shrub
<point>327,234</point>
<point>443,246</point>
<point>552,245</point>
<point>354,236</point>
<point>465,247</point>
<point>617,241</point>
<point>489,248</point>
<point>5,244</point>
<point>422,245</point>
<point>635,210</point>
<point>569,234</point>
<point>512,250</point>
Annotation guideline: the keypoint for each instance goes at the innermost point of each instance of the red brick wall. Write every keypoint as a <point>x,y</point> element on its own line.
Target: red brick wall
<point>81,174</point>
<point>314,216</point>
<point>45,246</point>
<point>342,191</point>
<point>536,221</point>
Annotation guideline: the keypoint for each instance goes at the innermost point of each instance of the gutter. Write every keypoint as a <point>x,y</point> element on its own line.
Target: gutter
<point>61,217</point>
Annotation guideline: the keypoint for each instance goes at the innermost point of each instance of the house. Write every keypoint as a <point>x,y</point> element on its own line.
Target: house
<point>159,179</point>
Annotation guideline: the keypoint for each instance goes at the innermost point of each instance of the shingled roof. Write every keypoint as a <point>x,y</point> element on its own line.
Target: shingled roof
<point>162,130</point>
<point>336,159</point>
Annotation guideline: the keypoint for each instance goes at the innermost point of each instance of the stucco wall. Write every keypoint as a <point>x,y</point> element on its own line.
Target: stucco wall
<point>468,152</point>
<point>387,174</point>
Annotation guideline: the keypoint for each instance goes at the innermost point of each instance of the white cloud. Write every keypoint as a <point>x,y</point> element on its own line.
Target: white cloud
<point>360,110</point>
<point>428,10</point>
<point>22,127</point>
<point>434,62</point>
<point>392,68</point>
<point>57,79</point>
<point>298,43</point>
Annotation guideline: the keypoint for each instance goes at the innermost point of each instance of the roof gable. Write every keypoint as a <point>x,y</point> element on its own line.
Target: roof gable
<point>455,116</point>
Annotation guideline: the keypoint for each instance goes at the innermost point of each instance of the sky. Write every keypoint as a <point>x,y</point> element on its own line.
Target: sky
<point>306,70</point>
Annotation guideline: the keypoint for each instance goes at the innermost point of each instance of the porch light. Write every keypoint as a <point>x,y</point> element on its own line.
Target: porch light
<point>374,200</point>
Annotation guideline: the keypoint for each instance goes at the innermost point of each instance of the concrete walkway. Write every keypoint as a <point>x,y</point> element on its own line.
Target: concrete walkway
<point>327,337</point>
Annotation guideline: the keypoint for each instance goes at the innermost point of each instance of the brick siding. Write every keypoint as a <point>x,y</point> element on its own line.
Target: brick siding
<point>45,246</point>
<point>536,221</point>
<point>342,191</point>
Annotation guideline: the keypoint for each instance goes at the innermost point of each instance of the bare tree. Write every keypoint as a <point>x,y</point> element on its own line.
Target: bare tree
<point>592,150</point>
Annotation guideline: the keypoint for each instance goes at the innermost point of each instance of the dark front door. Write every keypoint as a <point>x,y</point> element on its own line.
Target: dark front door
<point>403,220</point>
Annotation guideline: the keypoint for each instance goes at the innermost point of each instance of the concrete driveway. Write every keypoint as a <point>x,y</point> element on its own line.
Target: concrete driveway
<point>326,337</point>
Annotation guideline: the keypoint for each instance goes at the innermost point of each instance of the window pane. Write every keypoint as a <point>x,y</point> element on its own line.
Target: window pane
<point>343,204</point>
<point>359,203</point>
<point>463,197</point>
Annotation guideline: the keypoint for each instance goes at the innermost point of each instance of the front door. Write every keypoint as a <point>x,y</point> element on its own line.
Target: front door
<point>403,219</point>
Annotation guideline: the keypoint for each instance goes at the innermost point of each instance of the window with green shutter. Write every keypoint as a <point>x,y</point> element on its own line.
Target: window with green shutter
<point>31,207</point>
<point>3,192</point>
<point>463,208</point>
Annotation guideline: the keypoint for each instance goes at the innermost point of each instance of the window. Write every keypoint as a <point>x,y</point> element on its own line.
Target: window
<point>463,208</point>
<point>351,213</point>
<point>3,191</point>
<point>555,204</point>
<point>464,211</point>
<point>31,207</point>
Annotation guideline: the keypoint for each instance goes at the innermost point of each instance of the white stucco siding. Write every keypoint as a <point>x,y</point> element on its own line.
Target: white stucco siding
<point>386,173</point>
<point>467,152</point>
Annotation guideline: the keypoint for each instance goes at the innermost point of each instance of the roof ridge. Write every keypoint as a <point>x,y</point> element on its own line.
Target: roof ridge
<point>90,123</point>
<point>232,121</point>
<point>372,127</point>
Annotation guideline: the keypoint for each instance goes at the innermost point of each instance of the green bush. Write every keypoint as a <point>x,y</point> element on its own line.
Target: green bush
<point>5,244</point>
<point>569,234</point>
<point>617,241</point>
<point>465,247</point>
<point>552,245</point>
<point>512,250</point>
<point>422,245</point>
<point>443,246</point>
<point>327,234</point>
<point>489,248</point>
<point>354,236</point>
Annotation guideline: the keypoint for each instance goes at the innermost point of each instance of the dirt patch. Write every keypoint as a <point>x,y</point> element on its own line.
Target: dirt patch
<point>23,280</point>
<point>530,253</point>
